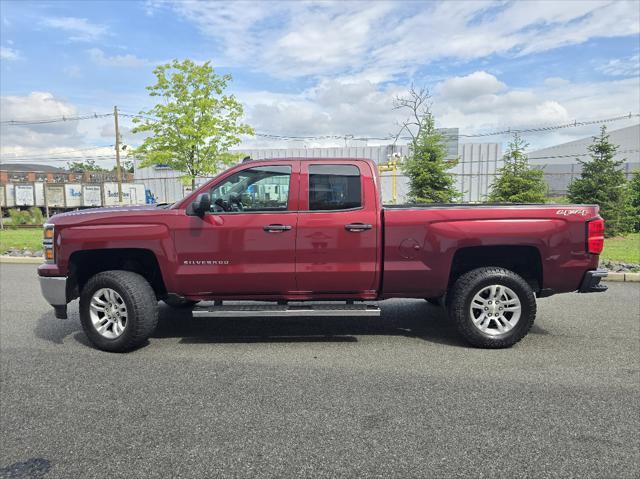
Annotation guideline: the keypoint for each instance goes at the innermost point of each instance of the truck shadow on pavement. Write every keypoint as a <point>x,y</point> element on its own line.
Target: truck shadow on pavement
<point>408,318</point>
<point>416,319</point>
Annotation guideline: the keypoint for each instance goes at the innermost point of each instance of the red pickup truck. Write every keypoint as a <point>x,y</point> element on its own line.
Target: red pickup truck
<point>289,232</point>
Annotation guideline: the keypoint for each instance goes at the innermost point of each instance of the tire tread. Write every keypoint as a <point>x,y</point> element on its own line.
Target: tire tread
<point>143,301</point>
<point>458,307</point>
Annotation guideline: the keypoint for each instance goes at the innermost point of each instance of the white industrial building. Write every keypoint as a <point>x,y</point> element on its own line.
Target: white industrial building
<point>560,162</point>
<point>474,172</point>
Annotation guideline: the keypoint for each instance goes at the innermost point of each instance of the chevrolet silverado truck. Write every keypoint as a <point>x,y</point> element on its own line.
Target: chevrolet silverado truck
<point>310,237</point>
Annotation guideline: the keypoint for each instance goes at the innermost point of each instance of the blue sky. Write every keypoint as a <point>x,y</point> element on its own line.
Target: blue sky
<point>317,68</point>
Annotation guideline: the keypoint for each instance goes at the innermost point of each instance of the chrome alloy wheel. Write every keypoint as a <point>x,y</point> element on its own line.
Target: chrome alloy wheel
<point>108,313</point>
<point>495,310</point>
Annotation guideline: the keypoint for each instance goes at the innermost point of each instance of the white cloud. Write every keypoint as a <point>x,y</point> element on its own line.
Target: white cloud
<point>16,140</point>
<point>239,25</point>
<point>126,61</point>
<point>45,139</point>
<point>554,102</point>
<point>9,54</point>
<point>387,39</point>
<point>476,103</point>
<point>332,107</point>
<point>471,86</point>
<point>80,29</point>
<point>622,67</point>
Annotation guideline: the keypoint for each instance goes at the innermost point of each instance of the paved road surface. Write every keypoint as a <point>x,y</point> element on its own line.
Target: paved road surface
<point>399,396</point>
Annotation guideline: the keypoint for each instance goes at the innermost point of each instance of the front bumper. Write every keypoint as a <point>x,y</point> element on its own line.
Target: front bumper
<point>54,290</point>
<point>591,281</point>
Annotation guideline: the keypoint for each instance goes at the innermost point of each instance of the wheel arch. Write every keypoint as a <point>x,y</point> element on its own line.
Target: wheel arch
<point>525,261</point>
<point>85,264</point>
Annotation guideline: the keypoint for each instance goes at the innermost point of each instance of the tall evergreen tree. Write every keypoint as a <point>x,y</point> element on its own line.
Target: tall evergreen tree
<point>516,181</point>
<point>634,187</point>
<point>603,182</point>
<point>427,166</point>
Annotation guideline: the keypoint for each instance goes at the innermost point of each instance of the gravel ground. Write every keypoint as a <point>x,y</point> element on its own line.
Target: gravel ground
<point>399,396</point>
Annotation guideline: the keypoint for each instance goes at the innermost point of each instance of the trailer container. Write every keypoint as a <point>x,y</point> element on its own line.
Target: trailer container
<point>38,188</point>
<point>132,194</point>
<point>9,195</point>
<point>73,195</point>
<point>91,195</point>
<point>24,195</point>
<point>55,196</point>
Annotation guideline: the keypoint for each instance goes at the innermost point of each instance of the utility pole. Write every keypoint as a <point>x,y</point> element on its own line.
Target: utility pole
<point>118,169</point>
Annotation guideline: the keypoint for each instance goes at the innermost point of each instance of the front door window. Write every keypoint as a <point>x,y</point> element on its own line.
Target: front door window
<point>263,188</point>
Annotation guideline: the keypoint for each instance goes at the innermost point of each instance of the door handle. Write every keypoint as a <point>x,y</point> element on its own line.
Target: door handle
<point>276,228</point>
<point>356,227</point>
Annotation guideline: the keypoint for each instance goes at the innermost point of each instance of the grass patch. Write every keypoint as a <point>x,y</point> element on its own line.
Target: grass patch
<point>622,248</point>
<point>29,238</point>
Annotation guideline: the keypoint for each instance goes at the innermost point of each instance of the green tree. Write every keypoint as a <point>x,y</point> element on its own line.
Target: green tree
<point>516,181</point>
<point>427,166</point>
<point>603,182</point>
<point>83,166</point>
<point>195,123</point>
<point>634,193</point>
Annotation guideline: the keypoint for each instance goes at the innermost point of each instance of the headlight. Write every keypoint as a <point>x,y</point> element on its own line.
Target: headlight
<point>47,244</point>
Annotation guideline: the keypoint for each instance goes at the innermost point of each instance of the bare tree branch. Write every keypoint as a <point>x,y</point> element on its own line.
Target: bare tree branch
<point>417,104</point>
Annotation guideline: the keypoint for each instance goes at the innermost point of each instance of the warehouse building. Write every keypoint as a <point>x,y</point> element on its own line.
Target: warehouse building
<point>560,162</point>
<point>475,171</point>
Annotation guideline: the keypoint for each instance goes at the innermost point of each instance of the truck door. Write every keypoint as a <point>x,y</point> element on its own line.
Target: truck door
<point>246,244</point>
<point>337,235</point>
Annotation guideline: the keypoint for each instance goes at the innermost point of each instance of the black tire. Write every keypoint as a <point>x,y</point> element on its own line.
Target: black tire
<point>140,301</point>
<point>179,303</point>
<point>469,284</point>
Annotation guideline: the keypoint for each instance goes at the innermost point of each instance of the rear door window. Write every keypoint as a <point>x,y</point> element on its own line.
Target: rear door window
<point>334,187</point>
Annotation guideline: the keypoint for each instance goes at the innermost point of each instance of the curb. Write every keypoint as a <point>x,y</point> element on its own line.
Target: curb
<point>615,277</point>
<point>21,259</point>
<point>623,277</point>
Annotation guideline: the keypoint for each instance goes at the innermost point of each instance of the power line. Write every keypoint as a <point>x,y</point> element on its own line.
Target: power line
<point>57,153</point>
<point>43,121</point>
<point>62,158</point>
<point>506,131</point>
<point>460,161</point>
<point>578,154</point>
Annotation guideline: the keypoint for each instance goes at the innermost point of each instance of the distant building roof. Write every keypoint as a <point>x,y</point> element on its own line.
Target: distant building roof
<point>627,139</point>
<point>31,167</point>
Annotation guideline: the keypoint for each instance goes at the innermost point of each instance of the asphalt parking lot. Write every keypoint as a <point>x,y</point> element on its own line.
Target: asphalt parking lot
<point>399,396</point>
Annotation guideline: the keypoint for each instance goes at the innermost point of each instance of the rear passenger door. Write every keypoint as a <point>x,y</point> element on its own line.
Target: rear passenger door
<point>336,240</point>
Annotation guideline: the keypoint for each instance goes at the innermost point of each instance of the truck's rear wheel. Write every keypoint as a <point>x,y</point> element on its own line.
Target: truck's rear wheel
<point>118,310</point>
<point>492,307</point>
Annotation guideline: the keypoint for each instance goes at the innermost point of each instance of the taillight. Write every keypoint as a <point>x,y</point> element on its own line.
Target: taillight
<point>595,236</point>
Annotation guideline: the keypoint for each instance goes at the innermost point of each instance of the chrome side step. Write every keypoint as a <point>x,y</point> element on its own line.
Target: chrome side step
<point>285,310</point>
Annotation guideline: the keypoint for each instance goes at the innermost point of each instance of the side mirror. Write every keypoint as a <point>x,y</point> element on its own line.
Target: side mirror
<point>201,205</point>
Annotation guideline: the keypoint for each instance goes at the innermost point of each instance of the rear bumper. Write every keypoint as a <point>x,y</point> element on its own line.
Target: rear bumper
<point>591,281</point>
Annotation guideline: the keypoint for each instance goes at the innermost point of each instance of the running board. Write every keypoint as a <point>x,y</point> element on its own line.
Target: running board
<point>285,310</point>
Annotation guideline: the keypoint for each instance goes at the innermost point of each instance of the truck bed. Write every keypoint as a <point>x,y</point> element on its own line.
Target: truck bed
<point>420,242</point>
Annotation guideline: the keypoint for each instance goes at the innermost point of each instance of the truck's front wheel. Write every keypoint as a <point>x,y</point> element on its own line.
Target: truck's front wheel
<point>492,307</point>
<point>118,310</point>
